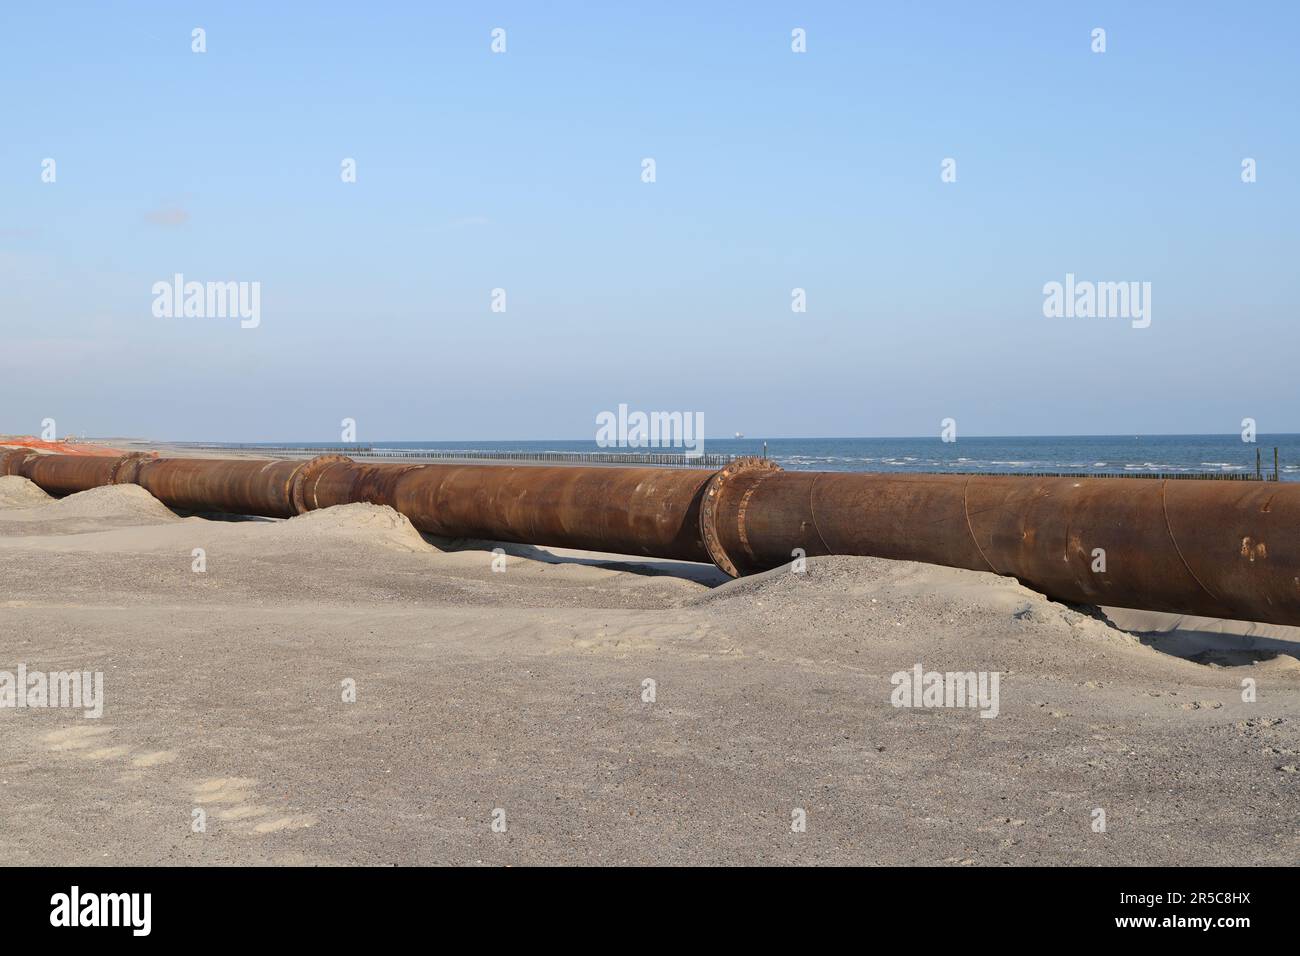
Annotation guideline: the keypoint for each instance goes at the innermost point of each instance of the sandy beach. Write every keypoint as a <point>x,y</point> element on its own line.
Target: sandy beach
<point>504,716</point>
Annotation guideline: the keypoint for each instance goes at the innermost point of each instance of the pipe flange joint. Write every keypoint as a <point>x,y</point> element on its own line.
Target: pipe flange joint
<point>712,498</point>
<point>13,459</point>
<point>126,469</point>
<point>306,471</point>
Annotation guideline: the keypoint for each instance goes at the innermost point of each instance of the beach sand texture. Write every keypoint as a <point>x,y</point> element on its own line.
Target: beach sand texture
<point>522,690</point>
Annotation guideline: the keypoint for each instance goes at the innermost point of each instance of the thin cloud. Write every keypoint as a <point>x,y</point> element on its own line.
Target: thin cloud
<point>169,214</point>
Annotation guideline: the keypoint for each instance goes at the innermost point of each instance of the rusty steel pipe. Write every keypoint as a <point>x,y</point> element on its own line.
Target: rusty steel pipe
<point>642,511</point>
<point>1213,548</point>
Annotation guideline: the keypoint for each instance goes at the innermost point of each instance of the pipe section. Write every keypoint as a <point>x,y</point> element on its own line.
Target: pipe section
<point>1225,549</point>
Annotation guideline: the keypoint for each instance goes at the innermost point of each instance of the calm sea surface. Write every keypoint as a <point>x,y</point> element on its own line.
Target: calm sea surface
<point>1217,454</point>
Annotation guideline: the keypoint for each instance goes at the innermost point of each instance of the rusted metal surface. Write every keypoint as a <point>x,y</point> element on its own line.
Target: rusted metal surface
<point>235,486</point>
<point>298,484</point>
<point>642,511</point>
<point>1221,549</point>
<point>754,471</point>
<point>64,474</point>
<point>11,459</point>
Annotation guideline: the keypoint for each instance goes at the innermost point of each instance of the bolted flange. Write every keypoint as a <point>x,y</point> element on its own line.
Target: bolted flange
<point>712,498</point>
<point>304,473</point>
<point>127,468</point>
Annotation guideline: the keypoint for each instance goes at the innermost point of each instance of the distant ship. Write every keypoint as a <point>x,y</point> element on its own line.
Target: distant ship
<point>739,435</point>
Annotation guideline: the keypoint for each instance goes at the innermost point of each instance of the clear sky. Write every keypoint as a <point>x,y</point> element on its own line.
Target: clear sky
<point>523,171</point>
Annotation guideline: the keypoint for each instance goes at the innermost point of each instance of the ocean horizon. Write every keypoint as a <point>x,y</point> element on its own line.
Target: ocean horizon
<point>1088,454</point>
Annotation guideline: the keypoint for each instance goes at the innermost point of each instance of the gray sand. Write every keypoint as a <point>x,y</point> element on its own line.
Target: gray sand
<point>522,691</point>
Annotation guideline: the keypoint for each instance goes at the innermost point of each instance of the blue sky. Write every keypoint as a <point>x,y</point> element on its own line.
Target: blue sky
<point>522,171</point>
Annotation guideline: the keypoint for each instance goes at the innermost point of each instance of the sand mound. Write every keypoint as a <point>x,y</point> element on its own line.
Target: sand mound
<point>883,600</point>
<point>359,525</point>
<point>106,502</point>
<point>925,586</point>
<point>867,595</point>
<point>19,492</point>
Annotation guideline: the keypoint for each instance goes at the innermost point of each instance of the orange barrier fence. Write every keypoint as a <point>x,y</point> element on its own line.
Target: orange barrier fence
<point>65,447</point>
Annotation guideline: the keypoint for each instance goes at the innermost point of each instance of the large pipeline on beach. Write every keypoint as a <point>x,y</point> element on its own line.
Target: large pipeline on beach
<point>1227,549</point>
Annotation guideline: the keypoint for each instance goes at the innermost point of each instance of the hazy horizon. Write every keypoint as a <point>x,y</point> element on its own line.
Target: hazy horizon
<point>747,436</point>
